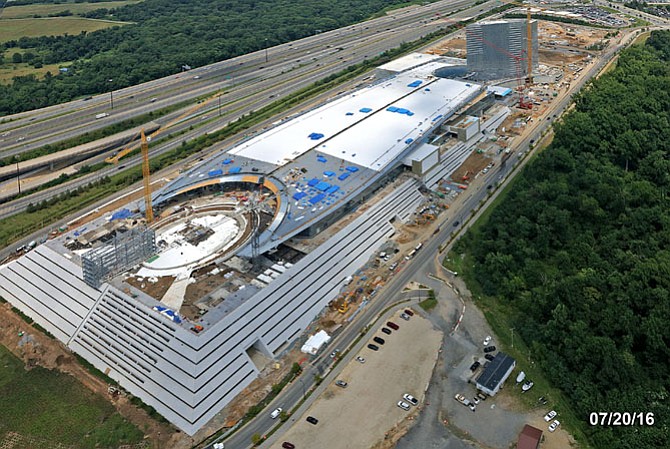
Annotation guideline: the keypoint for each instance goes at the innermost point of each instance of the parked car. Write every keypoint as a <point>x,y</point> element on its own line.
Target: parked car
<point>404,316</point>
<point>487,340</point>
<point>287,445</point>
<point>360,359</point>
<point>379,340</point>
<point>473,407</point>
<point>549,416</point>
<point>411,399</point>
<point>409,312</point>
<point>459,398</point>
<point>475,400</point>
<point>474,366</point>
<point>276,412</point>
<point>403,405</point>
<point>386,330</point>
<point>489,357</point>
<point>312,420</point>
<point>373,347</point>
<point>393,266</point>
<point>489,349</point>
<point>334,353</point>
<point>481,396</point>
<point>392,325</point>
<point>341,383</point>
<point>553,426</point>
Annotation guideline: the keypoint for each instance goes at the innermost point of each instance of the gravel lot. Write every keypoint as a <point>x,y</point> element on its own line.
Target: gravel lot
<point>360,415</point>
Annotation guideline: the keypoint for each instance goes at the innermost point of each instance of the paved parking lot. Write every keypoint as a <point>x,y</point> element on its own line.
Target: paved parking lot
<point>360,415</point>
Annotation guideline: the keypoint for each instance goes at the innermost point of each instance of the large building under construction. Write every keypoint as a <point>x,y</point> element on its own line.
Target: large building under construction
<point>499,49</point>
<point>228,216</point>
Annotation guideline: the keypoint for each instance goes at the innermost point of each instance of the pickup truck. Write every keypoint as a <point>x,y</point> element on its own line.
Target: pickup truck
<point>460,398</point>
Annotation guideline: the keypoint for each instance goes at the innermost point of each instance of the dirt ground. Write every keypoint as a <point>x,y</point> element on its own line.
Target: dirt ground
<point>49,353</point>
<point>471,166</point>
<point>365,414</point>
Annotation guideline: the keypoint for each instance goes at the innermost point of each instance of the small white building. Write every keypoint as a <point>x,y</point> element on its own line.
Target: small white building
<point>314,343</point>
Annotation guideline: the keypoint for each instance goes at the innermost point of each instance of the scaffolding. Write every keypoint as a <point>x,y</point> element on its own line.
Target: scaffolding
<point>125,250</point>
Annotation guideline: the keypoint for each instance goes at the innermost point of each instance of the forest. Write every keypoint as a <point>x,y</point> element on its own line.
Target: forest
<point>164,35</point>
<point>578,251</point>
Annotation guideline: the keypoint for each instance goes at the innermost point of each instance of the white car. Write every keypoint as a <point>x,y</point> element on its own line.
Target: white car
<point>549,416</point>
<point>472,406</point>
<point>360,359</point>
<point>276,413</point>
<point>487,340</point>
<point>411,399</point>
<point>475,400</point>
<point>553,426</point>
<point>218,446</point>
<point>403,405</point>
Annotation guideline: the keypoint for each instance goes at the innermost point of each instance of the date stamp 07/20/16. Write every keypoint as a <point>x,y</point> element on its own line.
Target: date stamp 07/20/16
<point>622,419</point>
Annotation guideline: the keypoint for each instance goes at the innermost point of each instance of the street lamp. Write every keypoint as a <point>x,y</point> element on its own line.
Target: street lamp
<point>18,177</point>
<point>219,98</point>
<point>266,49</point>
<point>304,393</point>
<point>111,95</point>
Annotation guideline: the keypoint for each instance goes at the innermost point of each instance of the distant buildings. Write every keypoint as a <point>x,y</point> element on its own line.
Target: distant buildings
<point>498,49</point>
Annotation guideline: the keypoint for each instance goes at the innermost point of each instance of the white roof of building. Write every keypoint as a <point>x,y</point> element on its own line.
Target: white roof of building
<point>314,343</point>
<point>359,128</point>
<point>408,62</point>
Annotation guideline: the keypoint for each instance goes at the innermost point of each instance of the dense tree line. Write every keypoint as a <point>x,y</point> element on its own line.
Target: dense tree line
<point>579,250</point>
<point>167,34</point>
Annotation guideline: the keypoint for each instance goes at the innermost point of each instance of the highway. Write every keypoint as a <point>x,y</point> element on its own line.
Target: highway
<point>259,72</point>
<point>257,88</point>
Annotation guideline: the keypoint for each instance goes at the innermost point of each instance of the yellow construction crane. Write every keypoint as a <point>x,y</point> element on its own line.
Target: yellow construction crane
<point>132,146</point>
<point>146,177</point>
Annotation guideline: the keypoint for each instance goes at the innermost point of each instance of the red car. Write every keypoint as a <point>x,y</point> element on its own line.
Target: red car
<point>409,312</point>
<point>392,325</point>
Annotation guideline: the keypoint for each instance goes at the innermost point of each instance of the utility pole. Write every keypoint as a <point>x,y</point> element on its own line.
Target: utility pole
<point>266,49</point>
<point>512,329</point>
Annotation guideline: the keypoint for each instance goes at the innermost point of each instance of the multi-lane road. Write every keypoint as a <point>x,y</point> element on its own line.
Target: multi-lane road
<point>264,71</point>
<point>245,84</point>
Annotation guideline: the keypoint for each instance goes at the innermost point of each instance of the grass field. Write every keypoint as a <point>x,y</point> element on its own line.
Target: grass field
<point>54,26</point>
<point>25,11</point>
<point>53,406</point>
<point>9,71</point>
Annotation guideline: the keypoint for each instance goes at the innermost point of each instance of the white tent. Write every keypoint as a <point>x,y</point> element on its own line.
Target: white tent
<point>314,343</point>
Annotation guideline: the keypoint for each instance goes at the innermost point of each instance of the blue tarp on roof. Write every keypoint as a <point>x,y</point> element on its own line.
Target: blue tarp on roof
<point>365,110</point>
<point>321,159</point>
<point>333,189</point>
<point>352,169</point>
<point>349,113</point>
<point>392,109</point>
<point>299,195</point>
<point>121,214</point>
<point>402,110</point>
<point>322,186</point>
<point>329,173</point>
<point>427,90</point>
<point>343,176</point>
<point>315,136</point>
<point>312,182</point>
<point>213,173</point>
<point>408,141</point>
<point>317,198</point>
<point>227,161</point>
<point>234,170</point>
<point>416,83</point>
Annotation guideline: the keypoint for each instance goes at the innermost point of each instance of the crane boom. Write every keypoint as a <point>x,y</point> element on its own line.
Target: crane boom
<point>146,177</point>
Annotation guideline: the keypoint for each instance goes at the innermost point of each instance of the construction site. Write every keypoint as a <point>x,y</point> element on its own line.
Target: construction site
<point>201,287</point>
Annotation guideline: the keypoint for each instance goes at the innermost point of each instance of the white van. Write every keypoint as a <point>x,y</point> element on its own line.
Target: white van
<point>276,413</point>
